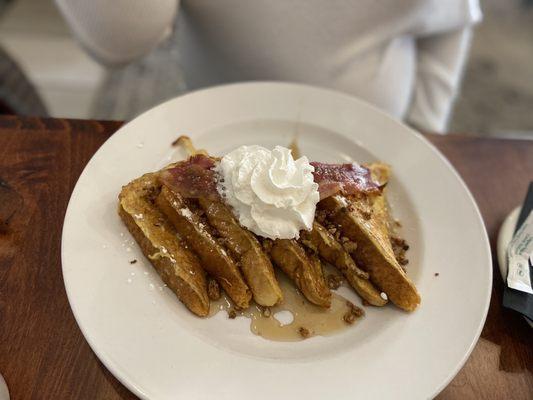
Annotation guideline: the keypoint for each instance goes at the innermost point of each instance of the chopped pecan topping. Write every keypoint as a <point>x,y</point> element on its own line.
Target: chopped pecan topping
<point>366,214</point>
<point>349,318</point>
<point>400,246</point>
<point>304,332</point>
<point>353,310</point>
<point>213,290</point>
<point>334,281</point>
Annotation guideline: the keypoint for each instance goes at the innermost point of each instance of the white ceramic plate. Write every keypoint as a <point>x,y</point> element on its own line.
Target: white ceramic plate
<point>153,345</point>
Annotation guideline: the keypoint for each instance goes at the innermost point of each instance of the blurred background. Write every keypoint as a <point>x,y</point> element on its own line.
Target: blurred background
<point>49,74</point>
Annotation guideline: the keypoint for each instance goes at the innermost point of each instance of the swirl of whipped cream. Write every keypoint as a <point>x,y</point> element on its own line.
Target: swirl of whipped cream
<point>271,194</point>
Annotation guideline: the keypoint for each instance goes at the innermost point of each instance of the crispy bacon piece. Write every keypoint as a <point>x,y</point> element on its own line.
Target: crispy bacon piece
<point>192,178</point>
<point>195,178</point>
<point>347,178</point>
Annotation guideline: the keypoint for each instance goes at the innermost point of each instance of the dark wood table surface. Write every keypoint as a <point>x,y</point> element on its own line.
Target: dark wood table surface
<point>43,354</point>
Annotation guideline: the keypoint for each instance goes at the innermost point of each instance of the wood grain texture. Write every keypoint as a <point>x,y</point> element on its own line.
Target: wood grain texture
<point>43,354</point>
<point>498,173</point>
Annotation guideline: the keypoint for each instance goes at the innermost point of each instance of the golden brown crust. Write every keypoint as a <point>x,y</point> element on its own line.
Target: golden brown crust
<point>333,252</point>
<point>367,226</point>
<point>214,258</point>
<point>165,228</point>
<point>254,263</point>
<point>305,270</point>
<point>178,267</point>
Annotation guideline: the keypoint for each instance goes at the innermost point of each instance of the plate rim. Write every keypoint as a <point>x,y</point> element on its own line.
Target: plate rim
<point>119,374</point>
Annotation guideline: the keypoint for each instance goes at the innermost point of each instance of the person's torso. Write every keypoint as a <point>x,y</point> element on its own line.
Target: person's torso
<point>363,47</point>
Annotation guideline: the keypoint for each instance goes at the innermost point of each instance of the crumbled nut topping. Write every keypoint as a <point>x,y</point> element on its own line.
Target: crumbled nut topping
<point>400,246</point>
<point>349,318</point>
<point>358,311</point>
<point>366,214</point>
<point>232,314</point>
<point>353,313</point>
<point>399,242</point>
<point>213,290</point>
<point>334,281</point>
<point>133,261</point>
<point>304,332</point>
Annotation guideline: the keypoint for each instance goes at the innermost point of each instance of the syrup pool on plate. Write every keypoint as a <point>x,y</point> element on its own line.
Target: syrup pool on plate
<point>307,319</point>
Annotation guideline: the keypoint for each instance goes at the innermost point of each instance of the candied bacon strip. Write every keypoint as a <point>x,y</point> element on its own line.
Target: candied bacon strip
<point>350,178</point>
<point>195,178</point>
<point>192,178</point>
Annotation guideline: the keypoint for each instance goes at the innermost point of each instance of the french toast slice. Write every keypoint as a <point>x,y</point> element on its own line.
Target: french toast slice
<point>213,257</point>
<point>303,269</point>
<point>244,246</point>
<point>178,267</point>
<point>328,247</point>
<point>363,220</point>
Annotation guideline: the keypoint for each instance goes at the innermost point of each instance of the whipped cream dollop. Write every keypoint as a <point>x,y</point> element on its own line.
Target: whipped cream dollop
<point>272,194</point>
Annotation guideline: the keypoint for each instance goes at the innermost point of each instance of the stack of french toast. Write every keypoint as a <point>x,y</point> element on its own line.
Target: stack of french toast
<point>195,242</point>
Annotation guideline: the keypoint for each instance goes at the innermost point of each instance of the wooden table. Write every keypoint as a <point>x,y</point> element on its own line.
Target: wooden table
<point>43,354</point>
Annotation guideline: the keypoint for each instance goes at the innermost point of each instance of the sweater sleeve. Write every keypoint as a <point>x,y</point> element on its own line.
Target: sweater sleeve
<point>119,31</point>
<point>440,62</point>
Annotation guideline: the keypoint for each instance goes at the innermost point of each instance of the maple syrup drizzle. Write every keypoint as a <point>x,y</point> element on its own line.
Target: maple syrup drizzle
<point>307,319</point>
